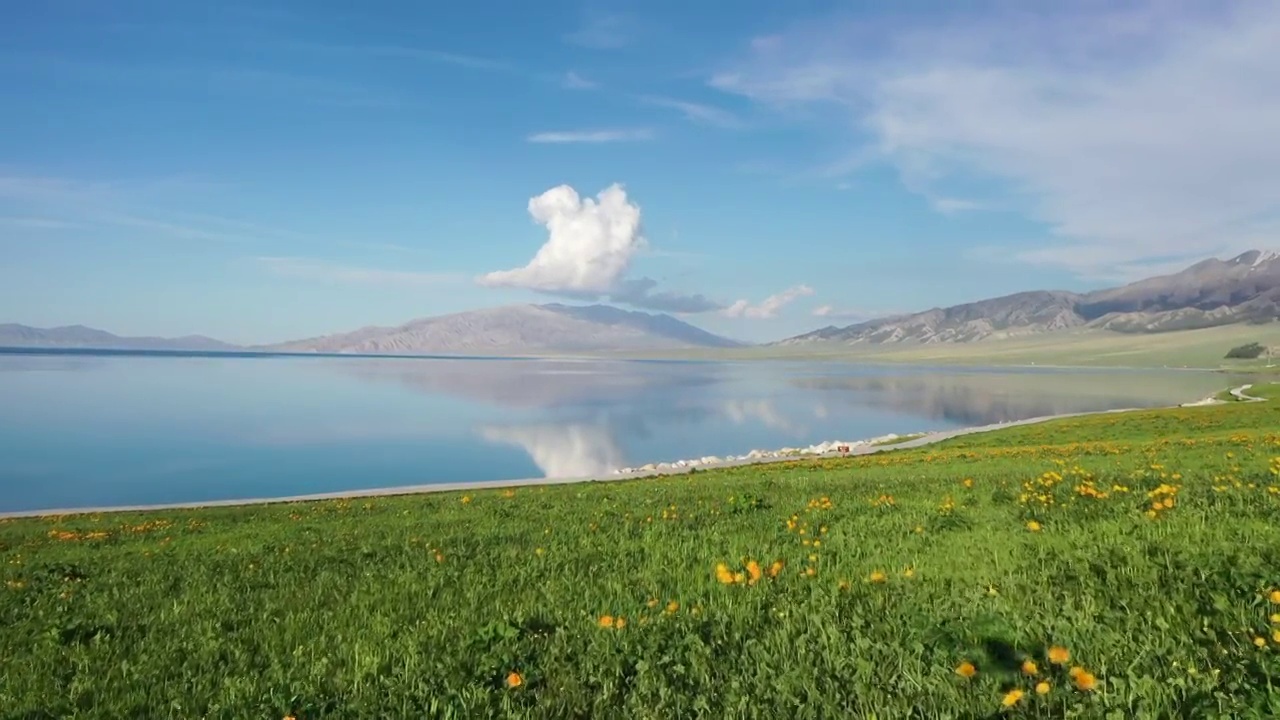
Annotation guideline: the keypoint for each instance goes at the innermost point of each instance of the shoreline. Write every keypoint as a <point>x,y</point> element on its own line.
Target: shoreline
<point>964,363</point>
<point>653,470</point>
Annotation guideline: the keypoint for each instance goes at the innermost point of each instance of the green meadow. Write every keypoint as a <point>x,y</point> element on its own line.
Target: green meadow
<point>1111,566</point>
<point>1204,348</point>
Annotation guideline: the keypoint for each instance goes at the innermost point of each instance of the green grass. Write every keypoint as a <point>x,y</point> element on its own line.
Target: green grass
<point>422,606</point>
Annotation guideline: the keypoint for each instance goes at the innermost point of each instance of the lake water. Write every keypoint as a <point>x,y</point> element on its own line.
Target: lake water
<point>81,430</point>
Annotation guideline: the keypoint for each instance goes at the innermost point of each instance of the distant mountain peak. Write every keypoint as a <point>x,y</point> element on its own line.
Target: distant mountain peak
<point>1209,293</point>
<point>1254,258</point>
<point>551,328</point>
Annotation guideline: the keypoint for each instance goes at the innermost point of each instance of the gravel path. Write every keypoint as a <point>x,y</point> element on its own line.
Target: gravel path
<point>1238,393</point>
<point>927,439</point>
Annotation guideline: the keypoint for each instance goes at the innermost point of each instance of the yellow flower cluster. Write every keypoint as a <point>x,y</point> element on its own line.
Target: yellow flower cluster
<point>609,622</point>
<point>797,525</point>
<point>822,503</point>
<point>750,574</point>
<point>1040,491</point>
<point>1058,656</point>
<point>883,501</point>
<point>1162,498</point>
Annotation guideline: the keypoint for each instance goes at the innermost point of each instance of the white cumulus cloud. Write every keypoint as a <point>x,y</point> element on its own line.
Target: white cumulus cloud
<point>769,307</point>
<point>589,250</point>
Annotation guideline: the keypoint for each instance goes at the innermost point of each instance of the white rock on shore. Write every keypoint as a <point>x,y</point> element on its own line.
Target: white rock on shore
<point>711,460</point>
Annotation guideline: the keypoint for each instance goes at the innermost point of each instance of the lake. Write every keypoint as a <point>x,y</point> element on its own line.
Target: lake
<point>83,430</point>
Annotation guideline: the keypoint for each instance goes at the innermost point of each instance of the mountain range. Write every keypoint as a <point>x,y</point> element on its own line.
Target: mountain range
<point>81,337</point>
<point>512,329</point>
<point>1244,289</point>
<point>1213,292</point>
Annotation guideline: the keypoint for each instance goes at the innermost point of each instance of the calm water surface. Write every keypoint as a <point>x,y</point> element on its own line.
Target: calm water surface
<point>81,430</point>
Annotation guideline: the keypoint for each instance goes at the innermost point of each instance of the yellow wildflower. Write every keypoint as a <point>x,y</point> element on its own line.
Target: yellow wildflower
<point>966,669</point>
<point>1011,698</point>
<point>723,574</point>
<point>606,621</point>
<point>1059,655</point>
<point>1033,526</point>
<point>1042,688</point>
<point>1029,667</point>
<point>1086,681</point>
<point>514,680</point>
<point>877,577</point>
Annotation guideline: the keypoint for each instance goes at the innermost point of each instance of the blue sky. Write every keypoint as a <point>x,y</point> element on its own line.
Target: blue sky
<point>273,170</point>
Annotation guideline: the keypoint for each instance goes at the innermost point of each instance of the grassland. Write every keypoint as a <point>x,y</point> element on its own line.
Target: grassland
<point>1144,545</point>
<point>1203,349</point>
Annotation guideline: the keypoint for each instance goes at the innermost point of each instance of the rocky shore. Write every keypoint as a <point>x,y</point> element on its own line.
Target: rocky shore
<point>825,448</point>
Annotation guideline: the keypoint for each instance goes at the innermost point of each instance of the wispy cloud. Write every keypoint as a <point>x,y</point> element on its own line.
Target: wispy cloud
<point>81,205</point>
<point>951,206</point>
<point>1138,134</point>
<point>177,230</point>
<point>142,207</point>
<point>695,112</point>
<point>851,314</point>
<point>294,87</point>
<point>574,81</point>
<point>313,269</point>
<point>37,223</point>
<point>222,81</point>
<point>769,307</point>
<point>404,52</point>
<point>592,136</point>
<point>604,31</point>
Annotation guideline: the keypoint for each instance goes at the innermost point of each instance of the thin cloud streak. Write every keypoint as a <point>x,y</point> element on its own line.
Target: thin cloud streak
<point>853,314</point>
<point>38,223</point>
<point>574,81</point>
<point>68,204</point>
<point>695,112</point>
<point>592,136</point>
<point>313,269</point>
<point>769,307</point>
<point>404,52</point>
<point>603,31</point>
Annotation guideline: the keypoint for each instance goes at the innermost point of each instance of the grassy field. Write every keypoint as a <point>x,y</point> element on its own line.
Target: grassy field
<point>1085,348</point>
<point>1112,566</point>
